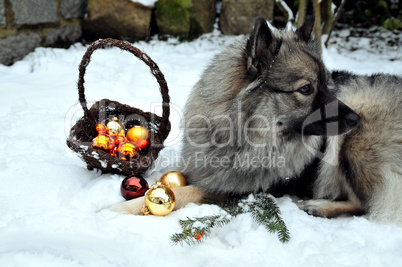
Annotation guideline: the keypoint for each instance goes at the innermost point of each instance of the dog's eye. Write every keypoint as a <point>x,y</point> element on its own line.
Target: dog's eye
<point>306,90</point>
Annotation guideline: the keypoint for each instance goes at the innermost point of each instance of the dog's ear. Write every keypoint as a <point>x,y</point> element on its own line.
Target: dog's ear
<point>260,47</point>
<point>304,32</point>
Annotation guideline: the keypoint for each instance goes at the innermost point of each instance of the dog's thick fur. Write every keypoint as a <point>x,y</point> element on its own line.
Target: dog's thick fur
<point>363,167</point>
<point>264,117</point>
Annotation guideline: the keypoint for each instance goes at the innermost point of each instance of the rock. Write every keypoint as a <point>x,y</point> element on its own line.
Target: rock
<point>64,36</point>
<point>14,48</point>
<point>238,16</point>
<point>173,17</point>
<point>2,14</point>
<point>202,18</point>
<point>34,12</point>
<point>185,18</point>
<point>73,9</point>
<point>122,19</point>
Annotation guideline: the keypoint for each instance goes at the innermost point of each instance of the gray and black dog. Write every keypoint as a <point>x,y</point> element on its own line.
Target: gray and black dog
<point>267,116</point>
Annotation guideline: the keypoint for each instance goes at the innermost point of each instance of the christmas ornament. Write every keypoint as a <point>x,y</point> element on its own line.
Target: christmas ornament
<point>112,139</point>
<point>198,235</point>
<point>115,127</point>
<point>142,143</point>
<point>113,144</point>
<point>121,138</point>
<point>115,140</point>
<point>133,187</point>
<point>159,200</point>
<point>173,179</point>
<point>138,132</point>
<point>101,129</point>
<point>127,150</point>
<point>101,141</point>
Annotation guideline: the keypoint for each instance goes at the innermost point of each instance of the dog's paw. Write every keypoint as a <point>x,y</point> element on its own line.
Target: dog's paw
<point>317,208</point>
<point>331,209</point>
<point>129,207</point>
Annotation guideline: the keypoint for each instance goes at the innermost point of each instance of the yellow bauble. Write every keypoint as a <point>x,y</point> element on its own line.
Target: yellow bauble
<point>138,132</point>
<point>173,179</point>
<point>160,200</point>
<point>101,141</point>
<point>115,127</point>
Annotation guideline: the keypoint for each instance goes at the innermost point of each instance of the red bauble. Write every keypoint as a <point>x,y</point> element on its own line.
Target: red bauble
<point>133,187</point>
<point>142,143</point>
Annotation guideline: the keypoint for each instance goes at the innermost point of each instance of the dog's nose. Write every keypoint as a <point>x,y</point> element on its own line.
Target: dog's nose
<point>352,119</point>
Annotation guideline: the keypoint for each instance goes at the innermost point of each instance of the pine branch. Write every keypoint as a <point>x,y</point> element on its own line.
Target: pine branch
<point>270,217</point>
<point>265,211</point>
<point>197,229</point>
<point>261,206</point>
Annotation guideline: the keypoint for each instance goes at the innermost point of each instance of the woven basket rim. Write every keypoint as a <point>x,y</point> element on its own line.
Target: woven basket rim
<point>154,69</point>
<point>82,133</point>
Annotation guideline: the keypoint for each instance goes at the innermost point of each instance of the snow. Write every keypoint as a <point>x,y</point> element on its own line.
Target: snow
<point>149,3</point>
<point>51,205</point>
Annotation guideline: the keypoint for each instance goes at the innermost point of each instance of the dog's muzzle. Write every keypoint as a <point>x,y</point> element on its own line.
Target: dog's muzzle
<point>334,118</point>
<point>352,119</point>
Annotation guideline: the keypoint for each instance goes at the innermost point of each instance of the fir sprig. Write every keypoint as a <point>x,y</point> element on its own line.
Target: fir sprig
<point>266,212</point>
<point>197,229</point>
<point>261,206</point>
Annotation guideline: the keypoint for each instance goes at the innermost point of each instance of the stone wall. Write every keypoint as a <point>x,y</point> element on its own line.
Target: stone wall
<point>120,19</point>
<point>185,18</point>
<point>238,16</point>
<point>27,24</point>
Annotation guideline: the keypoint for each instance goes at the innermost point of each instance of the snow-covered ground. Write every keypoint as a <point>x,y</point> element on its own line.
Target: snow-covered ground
<point>150,3</point>
<point>50,212</point>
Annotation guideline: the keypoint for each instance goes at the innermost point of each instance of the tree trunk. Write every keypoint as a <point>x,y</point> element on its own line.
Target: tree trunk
<point>337,15</point>
<point>317,24</point>
<point>301,17</point>
<point>328,16</point>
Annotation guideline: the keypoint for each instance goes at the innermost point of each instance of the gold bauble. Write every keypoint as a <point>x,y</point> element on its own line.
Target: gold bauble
<point>173,179</point>
<point>159,200</point>
<point>138,132</point>
<point>115,127</point>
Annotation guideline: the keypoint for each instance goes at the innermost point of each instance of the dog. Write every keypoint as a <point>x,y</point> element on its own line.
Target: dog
<point>266,115</point>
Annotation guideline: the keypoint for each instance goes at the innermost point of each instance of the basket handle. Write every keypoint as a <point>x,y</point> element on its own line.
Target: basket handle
<point>163,88</point>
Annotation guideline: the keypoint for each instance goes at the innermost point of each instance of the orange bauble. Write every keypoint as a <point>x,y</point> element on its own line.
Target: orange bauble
<point>138,132</point>
<point>101,129</point>
<point>101,141</point>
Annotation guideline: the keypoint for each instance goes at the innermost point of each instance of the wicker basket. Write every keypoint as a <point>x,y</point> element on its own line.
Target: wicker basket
<point>83,132</point>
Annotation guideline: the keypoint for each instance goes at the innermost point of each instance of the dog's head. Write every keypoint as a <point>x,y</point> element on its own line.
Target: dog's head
<point>285,69</point>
